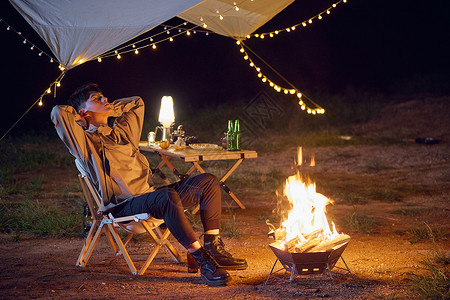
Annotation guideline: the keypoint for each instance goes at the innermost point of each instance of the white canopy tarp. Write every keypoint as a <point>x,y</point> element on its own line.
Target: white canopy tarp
<point>235,23</point>
<point>77,31</point>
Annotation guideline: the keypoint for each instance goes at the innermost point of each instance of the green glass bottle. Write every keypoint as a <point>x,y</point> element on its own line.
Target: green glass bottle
<point>230,135</point>
<point>236,136</point>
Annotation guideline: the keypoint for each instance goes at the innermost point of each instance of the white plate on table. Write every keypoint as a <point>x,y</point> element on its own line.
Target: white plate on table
<point>205,147</point>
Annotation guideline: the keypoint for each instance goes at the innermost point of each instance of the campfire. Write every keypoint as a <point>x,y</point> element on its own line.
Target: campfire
<point>306,242</point>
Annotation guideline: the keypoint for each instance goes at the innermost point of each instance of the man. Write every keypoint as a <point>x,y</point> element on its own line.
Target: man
<point>110,157</point>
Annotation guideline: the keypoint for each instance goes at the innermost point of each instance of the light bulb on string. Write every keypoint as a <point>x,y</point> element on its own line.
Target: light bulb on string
<point>99,59</point>
<point>49,91</point>
<point>171,39</point>
<point>292,91</point>
<point>136,51</point>
<point>8,28</point>
<point>58,84</point>
<point>188,32</point>
<point>154,46</point>
<point>40,102</point>
<point>51,60</point>
<point>32,47</point>
<point>40,54</point>
<point>118,56</point>
<point>24,41</point>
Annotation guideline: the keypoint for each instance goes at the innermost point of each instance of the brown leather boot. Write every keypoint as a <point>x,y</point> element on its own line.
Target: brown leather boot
<point>214,245</point>
<point>211,273</point>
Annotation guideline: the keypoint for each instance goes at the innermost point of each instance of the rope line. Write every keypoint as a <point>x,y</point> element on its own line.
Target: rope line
<point>57,80</point>
<point>277,73</point>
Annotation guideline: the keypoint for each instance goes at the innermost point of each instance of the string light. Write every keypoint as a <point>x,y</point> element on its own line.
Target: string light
<point>25,41</point>
<point>305,23</point>
<point>278,88</point>
<point>149,41</point>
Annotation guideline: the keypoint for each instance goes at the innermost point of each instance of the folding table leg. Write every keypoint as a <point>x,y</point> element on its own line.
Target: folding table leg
<point>222,180</point>
<point>232,195</point>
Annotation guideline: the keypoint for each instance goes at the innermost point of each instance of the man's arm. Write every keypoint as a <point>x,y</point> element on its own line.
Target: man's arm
<point>69,131</point>
<point>130,112</point>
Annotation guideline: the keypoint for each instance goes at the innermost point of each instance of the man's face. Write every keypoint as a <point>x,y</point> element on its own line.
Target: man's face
<point>97,104</point>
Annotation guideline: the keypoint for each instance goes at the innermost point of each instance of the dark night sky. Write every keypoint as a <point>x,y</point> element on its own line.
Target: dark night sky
<point>381,46</point>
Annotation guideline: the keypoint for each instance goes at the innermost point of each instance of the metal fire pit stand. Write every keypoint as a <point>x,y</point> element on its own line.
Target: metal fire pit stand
<point>307,263</point>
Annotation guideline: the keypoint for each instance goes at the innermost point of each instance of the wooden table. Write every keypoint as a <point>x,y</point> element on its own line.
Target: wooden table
<point>196,157</point>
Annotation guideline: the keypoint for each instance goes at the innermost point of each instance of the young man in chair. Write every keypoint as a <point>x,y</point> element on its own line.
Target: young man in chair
<point>110,157</point>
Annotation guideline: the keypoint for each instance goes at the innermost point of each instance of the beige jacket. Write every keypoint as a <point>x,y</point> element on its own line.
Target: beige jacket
<point>109,156</point>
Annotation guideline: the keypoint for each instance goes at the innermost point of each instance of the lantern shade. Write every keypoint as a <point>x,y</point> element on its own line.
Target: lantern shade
<point>166,114</point>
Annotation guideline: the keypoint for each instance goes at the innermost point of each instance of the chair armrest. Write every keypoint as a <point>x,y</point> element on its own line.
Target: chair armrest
<point>136,218</point>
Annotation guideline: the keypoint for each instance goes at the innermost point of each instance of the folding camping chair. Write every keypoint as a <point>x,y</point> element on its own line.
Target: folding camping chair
<point>134,224</point>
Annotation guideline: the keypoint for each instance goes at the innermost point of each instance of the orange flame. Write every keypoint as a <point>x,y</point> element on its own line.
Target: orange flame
<point>299,156</point>
<point>308,212</point>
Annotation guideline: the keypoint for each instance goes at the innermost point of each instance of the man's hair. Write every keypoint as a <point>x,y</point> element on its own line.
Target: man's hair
<point>81,95</point>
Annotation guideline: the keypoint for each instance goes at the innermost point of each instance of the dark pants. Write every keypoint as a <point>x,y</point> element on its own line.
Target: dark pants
<point>169,202</point>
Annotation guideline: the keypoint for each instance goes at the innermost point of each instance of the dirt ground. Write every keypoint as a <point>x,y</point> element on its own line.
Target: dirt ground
<point>379,262</point>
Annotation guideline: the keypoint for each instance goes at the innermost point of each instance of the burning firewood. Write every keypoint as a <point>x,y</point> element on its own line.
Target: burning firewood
<point>314,234</point>
<point>304,247</point>
<point>289,245</point>
<point>328,245</point>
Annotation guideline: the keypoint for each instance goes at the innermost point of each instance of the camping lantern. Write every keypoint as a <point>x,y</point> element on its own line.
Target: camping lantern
<point>166,116</point>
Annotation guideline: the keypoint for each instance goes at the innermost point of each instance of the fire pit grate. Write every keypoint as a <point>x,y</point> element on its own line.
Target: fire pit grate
<point>309,262</point>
